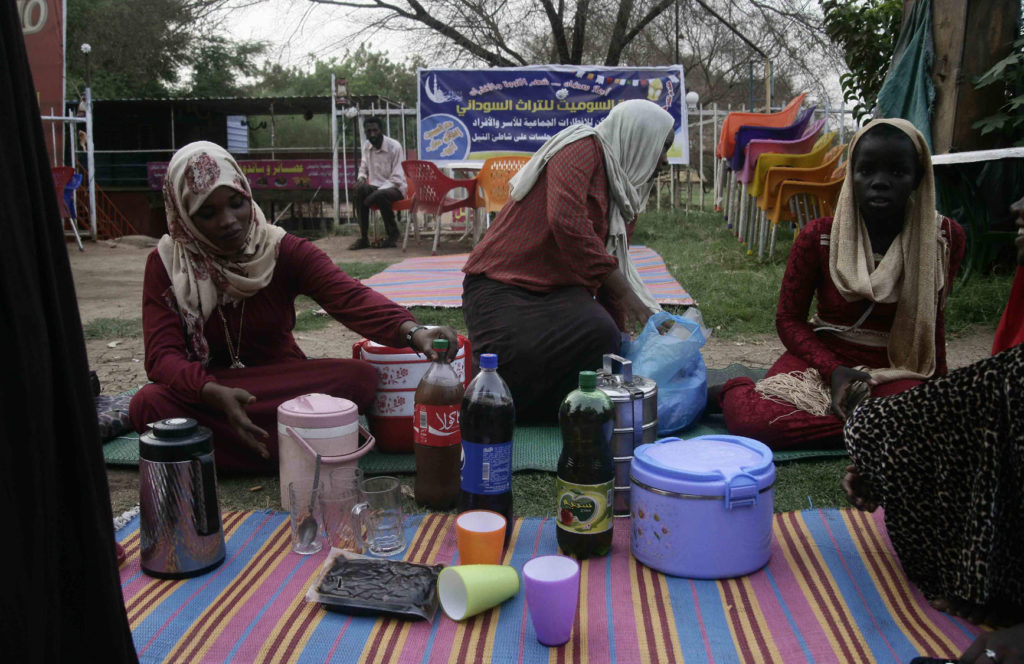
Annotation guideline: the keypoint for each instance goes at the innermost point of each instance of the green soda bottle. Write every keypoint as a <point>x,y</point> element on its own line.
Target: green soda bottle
<point>586,473</point>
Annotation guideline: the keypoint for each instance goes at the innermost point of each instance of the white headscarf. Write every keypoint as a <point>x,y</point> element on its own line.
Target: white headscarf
<point>632,137</point>
<point>202,277</point>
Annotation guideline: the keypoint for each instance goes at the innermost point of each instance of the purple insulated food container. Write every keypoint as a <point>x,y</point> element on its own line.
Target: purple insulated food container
<point>702,508</point>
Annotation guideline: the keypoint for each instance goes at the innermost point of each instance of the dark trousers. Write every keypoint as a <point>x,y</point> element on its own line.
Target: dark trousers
<point>543,340</point>
<point>367,195</point>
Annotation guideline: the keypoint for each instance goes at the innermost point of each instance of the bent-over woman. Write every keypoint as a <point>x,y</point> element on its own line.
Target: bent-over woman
<point>550,288</point>
<point>218,309</point>
<point>881,270</point>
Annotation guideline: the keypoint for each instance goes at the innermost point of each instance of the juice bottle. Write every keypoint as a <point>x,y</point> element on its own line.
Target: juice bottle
<point>586,473</point>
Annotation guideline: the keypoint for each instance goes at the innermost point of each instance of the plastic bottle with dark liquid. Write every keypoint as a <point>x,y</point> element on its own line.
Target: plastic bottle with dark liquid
<point>586,472</point>
<point>488,419</point>
<point>437,438</point>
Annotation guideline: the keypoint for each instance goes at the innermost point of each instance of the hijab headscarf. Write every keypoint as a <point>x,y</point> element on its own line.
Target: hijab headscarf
<point>202,276</point>
<point>632,137</point>
<point>911,274</point>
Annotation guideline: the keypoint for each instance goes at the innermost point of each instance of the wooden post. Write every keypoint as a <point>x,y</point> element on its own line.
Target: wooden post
<point>970,36</point>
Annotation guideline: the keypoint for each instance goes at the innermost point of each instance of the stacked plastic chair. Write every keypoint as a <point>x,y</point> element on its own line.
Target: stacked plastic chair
<point>755,149</point>
<point>726,139</point>
<point>768,162</point>
<point>808,200</point>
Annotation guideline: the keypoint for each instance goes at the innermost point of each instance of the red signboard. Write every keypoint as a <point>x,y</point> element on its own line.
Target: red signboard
<point>276,173</point>
<point>42,24</point>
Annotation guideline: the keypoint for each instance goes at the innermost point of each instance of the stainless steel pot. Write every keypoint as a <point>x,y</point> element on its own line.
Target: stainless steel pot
<point>635,399</point>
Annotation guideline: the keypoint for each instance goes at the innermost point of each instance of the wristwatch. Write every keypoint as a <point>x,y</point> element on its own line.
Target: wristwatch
<point>411,333</point>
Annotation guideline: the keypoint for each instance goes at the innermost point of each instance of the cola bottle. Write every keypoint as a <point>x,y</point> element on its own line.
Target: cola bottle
<point>436,433</point>
<point>488,418</point>
<point>586,473</point>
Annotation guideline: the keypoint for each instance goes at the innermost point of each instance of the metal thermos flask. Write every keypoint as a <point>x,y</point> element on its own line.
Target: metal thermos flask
<point>180,525</point>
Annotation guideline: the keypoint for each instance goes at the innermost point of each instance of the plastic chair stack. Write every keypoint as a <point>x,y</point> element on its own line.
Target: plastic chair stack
<point>755,150</point>
<point>431,195</point>
<point>726,139</point>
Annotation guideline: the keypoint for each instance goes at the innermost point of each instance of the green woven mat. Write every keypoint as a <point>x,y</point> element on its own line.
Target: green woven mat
<point>535,448</point>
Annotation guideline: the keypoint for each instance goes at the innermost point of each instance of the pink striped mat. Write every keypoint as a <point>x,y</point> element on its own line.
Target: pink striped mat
<point>832,592</point>
<point>436,281</point>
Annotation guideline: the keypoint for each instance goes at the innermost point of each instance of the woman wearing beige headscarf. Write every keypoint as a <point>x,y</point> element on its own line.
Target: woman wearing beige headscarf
<point>218,308</point>
<point>880,269</point>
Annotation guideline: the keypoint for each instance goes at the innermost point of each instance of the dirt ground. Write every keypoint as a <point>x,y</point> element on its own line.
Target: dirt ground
<point>108,283</point>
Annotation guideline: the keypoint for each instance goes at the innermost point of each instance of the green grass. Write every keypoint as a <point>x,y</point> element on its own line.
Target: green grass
<point>736,293</point>
<point>362,270</point>
<point>113,328</point>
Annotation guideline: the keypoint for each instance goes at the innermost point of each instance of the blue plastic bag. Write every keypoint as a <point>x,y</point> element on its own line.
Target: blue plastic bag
<point>676,365</point>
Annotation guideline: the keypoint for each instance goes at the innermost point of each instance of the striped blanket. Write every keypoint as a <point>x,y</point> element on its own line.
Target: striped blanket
<point>436,281</point>
<point>833,592</point>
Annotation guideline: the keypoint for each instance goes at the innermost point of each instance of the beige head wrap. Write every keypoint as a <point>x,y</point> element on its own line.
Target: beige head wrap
<point>912,273</point>
<point>202,277</point>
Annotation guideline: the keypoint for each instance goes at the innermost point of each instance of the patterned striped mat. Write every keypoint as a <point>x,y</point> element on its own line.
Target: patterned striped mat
<point>436,281</point>
<point>833,592</point>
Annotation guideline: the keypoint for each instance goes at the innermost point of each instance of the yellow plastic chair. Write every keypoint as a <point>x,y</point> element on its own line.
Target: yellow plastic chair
<point>807,201</point>
<point>822,172</point>
<point>771,160</point>
<point>492,189</point>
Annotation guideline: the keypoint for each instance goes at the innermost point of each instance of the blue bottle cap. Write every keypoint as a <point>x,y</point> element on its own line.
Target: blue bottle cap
<point>488,361</point>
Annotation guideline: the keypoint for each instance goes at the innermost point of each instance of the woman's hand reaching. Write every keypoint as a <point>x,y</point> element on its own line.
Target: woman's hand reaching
<point>423,339</point>
<point>232,402</point>
<point>845,391</point>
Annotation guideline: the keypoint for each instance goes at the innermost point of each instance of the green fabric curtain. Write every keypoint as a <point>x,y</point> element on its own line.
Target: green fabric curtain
<point>908,92</point>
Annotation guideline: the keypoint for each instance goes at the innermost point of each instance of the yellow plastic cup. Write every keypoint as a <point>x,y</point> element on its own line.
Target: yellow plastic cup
<point>466,590</point>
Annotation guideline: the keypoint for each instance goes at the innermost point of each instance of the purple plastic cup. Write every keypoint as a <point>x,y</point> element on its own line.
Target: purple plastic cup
<point>552,592</point>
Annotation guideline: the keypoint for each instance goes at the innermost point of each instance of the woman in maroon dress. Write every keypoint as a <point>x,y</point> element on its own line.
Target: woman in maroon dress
<point>218,310</point>
<point>881,270</point>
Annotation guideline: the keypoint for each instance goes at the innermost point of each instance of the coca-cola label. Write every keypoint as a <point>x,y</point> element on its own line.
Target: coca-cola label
<point>486,469</point>
<point>436,426</point>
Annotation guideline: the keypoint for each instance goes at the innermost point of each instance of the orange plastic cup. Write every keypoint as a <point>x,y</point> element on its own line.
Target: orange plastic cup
<point>480,536</point>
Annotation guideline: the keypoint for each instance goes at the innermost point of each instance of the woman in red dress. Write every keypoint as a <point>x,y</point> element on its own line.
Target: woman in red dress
<point>880,270</point>
<point>218,309</point>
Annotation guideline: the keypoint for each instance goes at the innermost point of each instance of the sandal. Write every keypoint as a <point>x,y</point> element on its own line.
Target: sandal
<point>361,243</point>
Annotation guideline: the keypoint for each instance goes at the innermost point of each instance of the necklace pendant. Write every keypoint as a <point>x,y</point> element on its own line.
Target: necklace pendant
<point>237,364</point>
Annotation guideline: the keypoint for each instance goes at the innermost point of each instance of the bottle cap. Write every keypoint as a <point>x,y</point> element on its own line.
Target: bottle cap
<point>439,344</point>
<point>488,361</point>
<point>588,380</point>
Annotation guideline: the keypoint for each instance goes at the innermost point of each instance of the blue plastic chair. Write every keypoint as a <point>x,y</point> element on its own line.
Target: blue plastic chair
<point>69,194</point>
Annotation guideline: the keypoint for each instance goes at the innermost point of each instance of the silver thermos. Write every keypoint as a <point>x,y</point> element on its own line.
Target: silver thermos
<point>180,526</point>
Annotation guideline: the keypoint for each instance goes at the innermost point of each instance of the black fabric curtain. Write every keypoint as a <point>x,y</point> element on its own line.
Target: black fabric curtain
<point>60,598</point>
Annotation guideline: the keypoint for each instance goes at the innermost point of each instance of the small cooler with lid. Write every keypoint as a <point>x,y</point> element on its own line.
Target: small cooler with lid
<point>702,508</point>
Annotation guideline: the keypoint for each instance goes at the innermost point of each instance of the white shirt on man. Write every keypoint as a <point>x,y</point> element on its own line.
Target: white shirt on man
<point>382,167</point>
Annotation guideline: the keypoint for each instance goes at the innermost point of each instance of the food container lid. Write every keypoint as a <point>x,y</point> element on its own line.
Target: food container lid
<point>175,439</point>
<point>620,390</point>
<point>317,411</point>
<point>714,465</point>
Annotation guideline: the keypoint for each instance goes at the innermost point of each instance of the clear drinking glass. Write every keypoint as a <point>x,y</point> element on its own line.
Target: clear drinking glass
<point>379,515</point>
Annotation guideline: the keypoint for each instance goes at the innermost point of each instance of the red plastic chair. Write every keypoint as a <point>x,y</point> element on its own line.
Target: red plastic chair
<point>733,122</point>
<point>432,189</point>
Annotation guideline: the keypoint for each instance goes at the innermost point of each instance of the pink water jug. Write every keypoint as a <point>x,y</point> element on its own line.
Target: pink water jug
<point>318,424</point>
